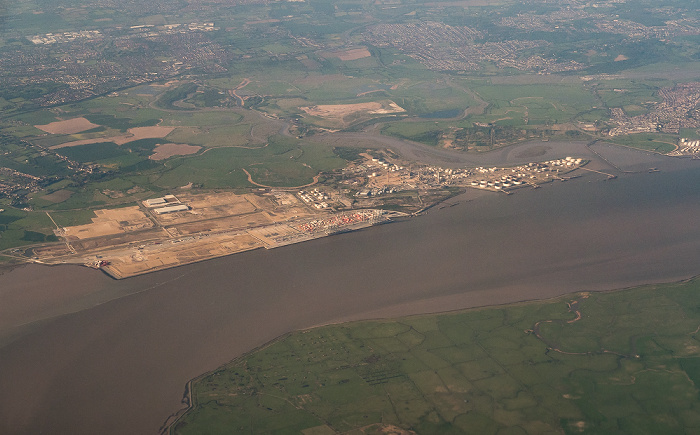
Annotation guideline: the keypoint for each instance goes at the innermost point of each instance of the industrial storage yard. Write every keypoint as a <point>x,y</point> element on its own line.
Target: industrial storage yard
<point>174,230</point>
<point>686,147</point>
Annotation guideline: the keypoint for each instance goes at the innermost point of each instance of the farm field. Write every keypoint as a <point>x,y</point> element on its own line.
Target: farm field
<point>617,362</point>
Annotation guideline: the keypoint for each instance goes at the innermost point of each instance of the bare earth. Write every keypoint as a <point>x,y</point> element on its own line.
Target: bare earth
<point>215,225</point>
<point>340,111</point>
<point>110,222</point>
<point>69,126</point>
<point>133,134</point>
<point>351,54</point>
<point>162,152</point>
<point>187,251</point>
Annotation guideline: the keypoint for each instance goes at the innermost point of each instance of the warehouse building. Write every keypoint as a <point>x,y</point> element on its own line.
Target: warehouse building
<point>157,202</point>
<point>171,209</point>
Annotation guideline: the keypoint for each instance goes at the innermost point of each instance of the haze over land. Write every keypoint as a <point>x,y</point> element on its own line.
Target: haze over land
<point>553,145</point>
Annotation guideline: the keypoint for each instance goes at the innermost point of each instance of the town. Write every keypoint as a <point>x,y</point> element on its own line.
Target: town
<point>442,47</point>
<point>677,110</point>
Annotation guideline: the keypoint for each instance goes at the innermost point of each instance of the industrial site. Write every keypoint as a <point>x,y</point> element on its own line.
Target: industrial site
<point>382,180</point>
<point>687,148</point>
<point>173,230</point>
<point>190,226</point>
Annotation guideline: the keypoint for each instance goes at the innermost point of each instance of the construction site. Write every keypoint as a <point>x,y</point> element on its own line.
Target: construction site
<point>170,231</point>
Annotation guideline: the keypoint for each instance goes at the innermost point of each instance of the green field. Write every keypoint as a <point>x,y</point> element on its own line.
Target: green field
<point>628,364</point>
<point>427,133</point>
<point>282,162</point>
<point>536,103</point>
<point>170,98</point>
<point>19,227</point>
<point>661,143</point>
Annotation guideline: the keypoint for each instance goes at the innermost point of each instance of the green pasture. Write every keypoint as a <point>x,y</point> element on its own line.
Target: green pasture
<point>93,152</point>
<point>80,199</point>
<point>133,107</point>
<point>124,189</point>
<point>19,227</point>
<point>73,217</point>
<point>671,71</point>
<point>200,118</point>
<point>422,97</point>
<point>690,133</point>
<point>628,364</point>
<point>111,155</point>
<point>626,93</point>
<point>38,117</point>
<point>502,114</point>
<point>169,99</point>
<point>283,162</point>
<point>212,137</point>
<point>658,142</point>
<point>542,103</point>
<point>30,160</point>
<point>426,132</point>
<point>593,115</point>
<point>121,105</point>
<point>22,131</point>
<point>120,123</point>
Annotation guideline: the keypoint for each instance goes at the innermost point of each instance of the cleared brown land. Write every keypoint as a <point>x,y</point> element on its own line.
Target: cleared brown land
<point>219,225</point>
<point>148,132</point>
<point>132,134</point>
<point>340,111</point>
<point>208,206</point>
<point>351,54</point>
<point>271,20</point>
<point>162,152</point>
<point>108,222</point>
<point>69,126</point>
<point>171,254</point>
<point>99,244</point>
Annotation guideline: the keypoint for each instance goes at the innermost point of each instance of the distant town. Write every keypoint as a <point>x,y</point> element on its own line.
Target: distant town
<point>677,110</point>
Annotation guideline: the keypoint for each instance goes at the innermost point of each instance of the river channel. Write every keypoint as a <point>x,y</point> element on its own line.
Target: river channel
<point>81,353</point>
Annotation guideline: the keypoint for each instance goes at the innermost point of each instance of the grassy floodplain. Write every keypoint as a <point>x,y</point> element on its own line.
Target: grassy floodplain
<point>617,362</point>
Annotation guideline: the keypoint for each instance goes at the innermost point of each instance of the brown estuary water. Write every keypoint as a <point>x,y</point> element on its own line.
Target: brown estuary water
<point>81,353</point>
